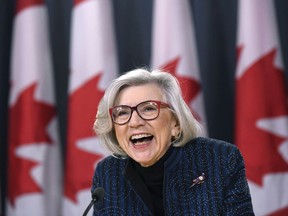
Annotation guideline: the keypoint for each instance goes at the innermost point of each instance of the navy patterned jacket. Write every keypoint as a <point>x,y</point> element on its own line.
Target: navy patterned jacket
<point>224,191</point>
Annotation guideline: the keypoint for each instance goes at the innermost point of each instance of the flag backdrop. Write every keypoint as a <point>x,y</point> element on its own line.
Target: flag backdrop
<point>29,85</point>
<point>34,182</point>
<point>261,107</point>
<point>93,64</point>
<point>174,49</point>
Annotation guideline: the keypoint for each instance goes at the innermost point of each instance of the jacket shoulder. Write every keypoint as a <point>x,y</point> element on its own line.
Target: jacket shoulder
<point>110,162</point>
<point>205,145</point>
<point>212,155</point>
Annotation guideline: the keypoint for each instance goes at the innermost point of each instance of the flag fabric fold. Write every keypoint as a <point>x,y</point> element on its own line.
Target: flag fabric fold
<point>174,50</point>
<point>261,129</point>
<point>93,64</point>
<point>34,167</point>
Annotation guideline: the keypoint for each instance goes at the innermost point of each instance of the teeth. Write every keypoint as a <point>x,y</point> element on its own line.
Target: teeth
<point>139,136</point>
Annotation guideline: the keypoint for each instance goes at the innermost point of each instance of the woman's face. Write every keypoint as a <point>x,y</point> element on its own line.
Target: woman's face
<point>146,141</point>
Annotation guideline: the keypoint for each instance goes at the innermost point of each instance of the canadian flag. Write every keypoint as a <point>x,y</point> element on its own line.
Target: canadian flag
<point>34,180</point>
<point>174,50</point>
<point>93,65</point>
<point>262,107</point>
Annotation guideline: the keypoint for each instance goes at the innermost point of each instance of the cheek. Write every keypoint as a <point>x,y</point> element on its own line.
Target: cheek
<point>164,130</point>
<point>167,127</point>
<point>120,135</point>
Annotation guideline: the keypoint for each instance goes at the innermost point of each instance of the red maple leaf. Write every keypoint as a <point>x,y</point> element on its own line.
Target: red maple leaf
<point>280,212</point>
<point>190,88</point>
<point>77,2</point>
<point>28,122</point>
<point>260,94</point>
<point>23,4</point>
<point>82,111</point>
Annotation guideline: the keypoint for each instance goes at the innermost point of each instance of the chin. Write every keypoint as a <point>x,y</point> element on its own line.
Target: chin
<point>143,162</point>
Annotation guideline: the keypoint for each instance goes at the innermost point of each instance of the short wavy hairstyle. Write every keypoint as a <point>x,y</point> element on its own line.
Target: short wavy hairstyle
<point>103,125</point>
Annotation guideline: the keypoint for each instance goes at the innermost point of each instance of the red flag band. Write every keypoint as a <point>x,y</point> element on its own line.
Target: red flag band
<point>34,180</point>
<point>261,107</point>
<point>174,50</point>
<point>93,64</point>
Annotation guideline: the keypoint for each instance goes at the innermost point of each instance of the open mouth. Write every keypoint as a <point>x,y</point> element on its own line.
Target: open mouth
<point>141,138</point>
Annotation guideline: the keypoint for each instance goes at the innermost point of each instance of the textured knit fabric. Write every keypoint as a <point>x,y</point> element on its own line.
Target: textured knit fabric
<point>224,191</point>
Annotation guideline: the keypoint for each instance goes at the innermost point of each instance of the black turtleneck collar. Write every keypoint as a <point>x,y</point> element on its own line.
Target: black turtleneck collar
<point>152,179</point>
<point>154,172</point>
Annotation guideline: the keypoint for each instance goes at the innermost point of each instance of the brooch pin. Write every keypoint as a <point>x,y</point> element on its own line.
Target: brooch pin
<point>199,180</point>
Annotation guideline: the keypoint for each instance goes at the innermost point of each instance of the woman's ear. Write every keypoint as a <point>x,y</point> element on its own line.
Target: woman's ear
<point>175,130</point>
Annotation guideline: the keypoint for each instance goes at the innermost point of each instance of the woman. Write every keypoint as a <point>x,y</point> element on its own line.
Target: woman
<point>159,164</point>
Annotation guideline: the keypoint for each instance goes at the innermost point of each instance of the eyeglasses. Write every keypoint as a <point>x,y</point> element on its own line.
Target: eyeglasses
<point>147,110</point>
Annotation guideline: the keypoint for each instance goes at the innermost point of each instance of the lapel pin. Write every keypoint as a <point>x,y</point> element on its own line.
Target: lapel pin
<point>199,180</point>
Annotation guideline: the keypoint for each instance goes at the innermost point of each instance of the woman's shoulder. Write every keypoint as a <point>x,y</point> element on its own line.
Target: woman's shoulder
<point>208,153</point>
<point>112,161</point>
<point>205,142</point>
<point>203,145</point>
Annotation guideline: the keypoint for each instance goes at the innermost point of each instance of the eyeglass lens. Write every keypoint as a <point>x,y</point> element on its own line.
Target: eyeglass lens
<point>147,110</point>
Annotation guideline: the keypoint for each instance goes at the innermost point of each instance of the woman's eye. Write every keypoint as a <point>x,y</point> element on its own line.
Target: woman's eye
<point>122,113</point>
<point>150,108</point>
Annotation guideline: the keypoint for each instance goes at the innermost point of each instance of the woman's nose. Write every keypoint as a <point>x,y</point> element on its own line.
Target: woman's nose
<point>135,120</point>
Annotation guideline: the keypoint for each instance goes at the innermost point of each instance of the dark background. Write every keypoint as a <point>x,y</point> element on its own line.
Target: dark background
<point>215,23</point>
